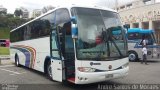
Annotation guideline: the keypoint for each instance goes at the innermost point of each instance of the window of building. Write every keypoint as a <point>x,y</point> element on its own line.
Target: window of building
<point>122,7</point>
<point>147,2</point>
<point>135,25</point>
<point>129,6</point>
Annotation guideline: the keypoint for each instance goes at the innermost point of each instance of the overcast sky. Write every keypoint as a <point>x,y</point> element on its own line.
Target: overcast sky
<point>39,4</point>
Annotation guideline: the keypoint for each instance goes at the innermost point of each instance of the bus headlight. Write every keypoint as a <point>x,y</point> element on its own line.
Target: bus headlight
<point>86,69</point>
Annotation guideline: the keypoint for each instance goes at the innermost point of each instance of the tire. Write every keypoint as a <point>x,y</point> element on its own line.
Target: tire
<point>49,70</point>
<point>132,55</point>
<point>17,61</point>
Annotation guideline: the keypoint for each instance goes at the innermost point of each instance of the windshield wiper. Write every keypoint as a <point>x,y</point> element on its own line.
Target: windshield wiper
<point>104,40</point>
<point>106,37</point>
<point>110,38</point>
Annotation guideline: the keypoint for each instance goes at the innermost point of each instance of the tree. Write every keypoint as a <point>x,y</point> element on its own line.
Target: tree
<point>9,21</point>
<point>18,13</point>
<point>10,15</point>
<point>3,12</point>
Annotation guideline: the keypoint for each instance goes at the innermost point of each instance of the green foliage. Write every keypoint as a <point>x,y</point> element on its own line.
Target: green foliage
<point>4,51</point>
<point>9,21</point>
<point>10,15</point>
<point>4,33</point>
<point>18,13</point>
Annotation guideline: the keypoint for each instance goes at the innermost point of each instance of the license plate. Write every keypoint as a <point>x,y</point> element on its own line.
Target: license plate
<point>109,76</point>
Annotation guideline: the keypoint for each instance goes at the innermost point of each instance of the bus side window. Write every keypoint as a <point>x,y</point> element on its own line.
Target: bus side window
<point>148,38</point>
<point>54,43</point>
<point>62,16</point>
<point>68,37</point>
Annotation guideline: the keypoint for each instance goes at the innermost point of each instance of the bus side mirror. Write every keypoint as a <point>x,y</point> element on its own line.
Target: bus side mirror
<point>73,20</point>
<point>74,28</point>
<point>74,31</point>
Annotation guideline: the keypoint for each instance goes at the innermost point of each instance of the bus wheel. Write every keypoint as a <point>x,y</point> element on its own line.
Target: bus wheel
<point>17,61</point>
<point>49,70</point>
<point>132,56</point>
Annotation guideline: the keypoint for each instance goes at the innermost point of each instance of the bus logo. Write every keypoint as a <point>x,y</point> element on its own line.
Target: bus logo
<point>92,63</point>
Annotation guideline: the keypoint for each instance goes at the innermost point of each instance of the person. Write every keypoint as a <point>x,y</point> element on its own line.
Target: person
<point>144,53</point>
<point>144,40</point>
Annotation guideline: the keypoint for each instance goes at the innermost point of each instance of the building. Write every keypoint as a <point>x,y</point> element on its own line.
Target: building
<point>47,8</point>
<point>142,14</point>
<point>25,12</point>
<point>35,13</point>
<point>3,10</point>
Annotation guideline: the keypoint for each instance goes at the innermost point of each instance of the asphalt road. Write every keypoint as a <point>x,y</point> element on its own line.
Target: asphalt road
<point>27,79</point>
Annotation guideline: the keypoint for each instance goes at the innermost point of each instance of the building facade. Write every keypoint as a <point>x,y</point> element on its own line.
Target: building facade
<point>35,13</point>
<point>142,14</point>
<point>25,13</point>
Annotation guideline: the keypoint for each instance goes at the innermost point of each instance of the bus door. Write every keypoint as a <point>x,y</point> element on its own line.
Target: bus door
<point>61,45</point>
<point>63,59</point>
<point>69,53</point>
<point>56,69</point>
<point>56,61</point>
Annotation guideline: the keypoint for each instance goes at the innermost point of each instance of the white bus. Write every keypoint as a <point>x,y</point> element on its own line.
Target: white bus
<point>135,36</point>
<point>73,44</point>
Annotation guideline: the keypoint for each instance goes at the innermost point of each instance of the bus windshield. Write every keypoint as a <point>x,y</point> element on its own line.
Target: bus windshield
<point>100,35</point>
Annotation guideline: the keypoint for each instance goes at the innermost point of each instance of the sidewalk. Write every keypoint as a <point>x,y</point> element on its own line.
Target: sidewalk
<point>6,62</point>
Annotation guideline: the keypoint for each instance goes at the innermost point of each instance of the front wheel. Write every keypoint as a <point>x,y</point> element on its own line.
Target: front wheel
<point>49,70</point>
<point>17,61</point>
<point>132,56</point>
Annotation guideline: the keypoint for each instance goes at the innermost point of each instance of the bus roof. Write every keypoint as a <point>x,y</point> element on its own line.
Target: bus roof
<point>139,30</point>
<point>69,7</point>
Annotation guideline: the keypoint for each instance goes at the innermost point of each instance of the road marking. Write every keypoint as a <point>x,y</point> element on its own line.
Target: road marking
<point>7,66</point>
<point>12,71</point>
<point>18,74</point>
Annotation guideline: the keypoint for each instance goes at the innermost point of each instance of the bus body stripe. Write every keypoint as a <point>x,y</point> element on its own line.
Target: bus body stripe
<point>30,54</point>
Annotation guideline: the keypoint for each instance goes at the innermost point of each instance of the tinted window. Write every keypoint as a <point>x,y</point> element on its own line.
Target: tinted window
<point>42,26</point>
<point>17,35</point>
<point>27,32</point>
<point>36,29</point>
<point>62,15</point>
<point>133,36</point>
<point>61,27</point>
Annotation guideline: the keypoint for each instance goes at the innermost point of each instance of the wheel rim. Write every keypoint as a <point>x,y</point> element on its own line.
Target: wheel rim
<point>132,57</point>
<point>49,69</point>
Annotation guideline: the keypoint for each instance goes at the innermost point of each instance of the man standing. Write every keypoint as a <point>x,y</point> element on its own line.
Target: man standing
<point>144,53</point>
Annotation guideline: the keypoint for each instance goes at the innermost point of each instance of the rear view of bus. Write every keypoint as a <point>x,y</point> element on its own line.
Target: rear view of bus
<point>100,54</point>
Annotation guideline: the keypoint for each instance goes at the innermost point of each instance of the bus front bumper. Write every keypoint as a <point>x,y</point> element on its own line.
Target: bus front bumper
<point>93,77</point>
